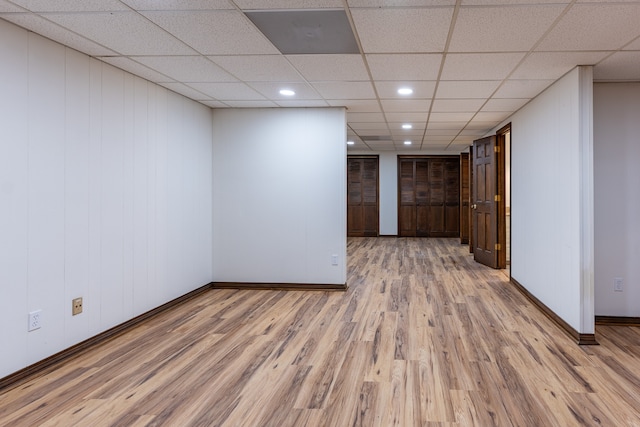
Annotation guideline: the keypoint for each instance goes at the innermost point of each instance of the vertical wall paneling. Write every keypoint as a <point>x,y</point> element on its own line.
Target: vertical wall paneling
<point>279,195</point>
<point>616,198</point>
<point>76,187</point>
<point>112,184</point>
<point>545,199</point>
<point>14,194</point>
<point>93,184</point>
<point>46,232</point>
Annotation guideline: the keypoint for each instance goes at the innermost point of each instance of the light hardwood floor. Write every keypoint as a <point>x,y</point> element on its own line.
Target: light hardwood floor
<point>423,337</point>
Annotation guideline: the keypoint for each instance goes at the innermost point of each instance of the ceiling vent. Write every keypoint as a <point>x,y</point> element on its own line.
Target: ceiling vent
<point>295,32</point>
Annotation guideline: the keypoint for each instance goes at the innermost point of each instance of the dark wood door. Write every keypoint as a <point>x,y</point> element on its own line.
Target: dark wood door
<point>471,230</point>
<point>465,197</point>
<point>485,219</point>
<point>362,196</point>
<point>429,202</point>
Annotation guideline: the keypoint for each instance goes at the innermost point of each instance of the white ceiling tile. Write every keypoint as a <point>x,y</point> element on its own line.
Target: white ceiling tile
<point>479,66</point>
<point>186,68</point>
<point>421,89</point>
<point>438,139</point>
<point>179,5</point>
<point>251,104</point>
<point>522,88</point>
<point>214,104</point>
<point>301,103</point>
<point>595,27</point>
<point>456,105</point>
<point>414,134</point>
<point>364,117</point>
<point>492,29</point>
<point>405,105</point>
<point>360,106</point>
<point>466,89</point>
<point>286,4</point>
<point>436,132</point>
<point>473,133</point>
<point>623,65</point>
<point>126,64</point>
<point>553,65</point>
<point>258,68</point>
<point>442,126</point>
<point>71,5</point>
<point>400,3</point>
<point>221,32</point>
<point>634,45</point>
<point>359,127</point>
<point>125,32</point>
<point>271,90</point>
<point>55,32</point>
<point>511,2</point>
<point>491,116</point>
<point>504,104</point>
<point>478,125</point>
<point>450,117</point>
<point>5,6</point>
<point>416,66</point>
<point>402,30</point>
<point>379,134</point>
<point>345,90</point>
<point>185,90</point>
<point>415,126</point>
<point>407,117</point>
<point>330,67</point>
<point>227,91</point>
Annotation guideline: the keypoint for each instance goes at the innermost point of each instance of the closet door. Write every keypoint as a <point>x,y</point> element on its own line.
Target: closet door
<point>362,196</point>
<point>429,202</point>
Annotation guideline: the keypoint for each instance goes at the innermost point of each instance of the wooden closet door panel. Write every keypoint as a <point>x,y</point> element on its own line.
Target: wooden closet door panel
<point>464,198</point>
<point>362,196</point>
<point>438,196</point>
<point>452,198</point>
<point>370,212</point>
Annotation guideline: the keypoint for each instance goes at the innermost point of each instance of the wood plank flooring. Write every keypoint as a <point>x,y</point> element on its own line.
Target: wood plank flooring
<point>423,337</point>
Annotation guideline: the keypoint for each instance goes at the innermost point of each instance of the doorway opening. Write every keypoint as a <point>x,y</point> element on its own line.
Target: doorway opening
<point>504,187</point>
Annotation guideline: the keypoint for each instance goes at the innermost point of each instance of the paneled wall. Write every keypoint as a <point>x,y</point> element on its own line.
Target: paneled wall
<point>105,194</point>
<point>280,195</point>
<point>617,197</point>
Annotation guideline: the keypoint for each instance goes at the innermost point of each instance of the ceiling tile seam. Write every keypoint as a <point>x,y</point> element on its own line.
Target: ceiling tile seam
<point>28,12</point>
<point>620,49</point>
<point>452,25</point>
<point>347,10</point>
<point>522,60</point>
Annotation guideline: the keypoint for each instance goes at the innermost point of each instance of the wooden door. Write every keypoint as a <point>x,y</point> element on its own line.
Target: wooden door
<point>429,202</point>
<point>485,219</point>
<point>362,196</point>
<point>465,196</point>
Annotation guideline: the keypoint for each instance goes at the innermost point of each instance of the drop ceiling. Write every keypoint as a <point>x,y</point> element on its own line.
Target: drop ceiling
<point>470,63</point>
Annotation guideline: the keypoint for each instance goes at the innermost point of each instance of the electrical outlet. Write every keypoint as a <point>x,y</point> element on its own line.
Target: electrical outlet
<point>334,259</point>
<point>76,306</point>
<point>35,319</point>
<point>617,284</point>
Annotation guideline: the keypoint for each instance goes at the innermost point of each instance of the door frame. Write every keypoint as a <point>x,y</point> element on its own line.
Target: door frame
<point>501,207</point>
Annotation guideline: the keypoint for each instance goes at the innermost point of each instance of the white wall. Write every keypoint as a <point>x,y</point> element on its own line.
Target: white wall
<point>551,208</point>
<point>279,195</point>
<point>617,197</point>
<point>105,194</point>
<point>388,193</point>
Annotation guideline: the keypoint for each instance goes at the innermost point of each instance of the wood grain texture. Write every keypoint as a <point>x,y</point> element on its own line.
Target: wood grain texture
<point>424,336</point>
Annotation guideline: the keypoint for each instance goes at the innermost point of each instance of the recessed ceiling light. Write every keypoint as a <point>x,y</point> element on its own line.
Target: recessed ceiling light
<point>287,92</point>
<point>405,91</point>
<point>406,126</point>
<point>407,143</point>
<point>350,142</point>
